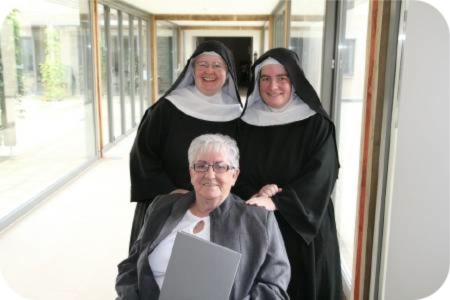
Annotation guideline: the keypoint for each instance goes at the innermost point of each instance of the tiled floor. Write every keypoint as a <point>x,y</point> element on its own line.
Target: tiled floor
<point>69,246</point>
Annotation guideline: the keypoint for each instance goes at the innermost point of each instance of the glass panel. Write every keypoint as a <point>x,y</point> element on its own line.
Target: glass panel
<point>127,58</point>
<point>146,69</point>
<point>46,99</point>
<point>115,75</point>
<point>136,68</point>
<point>103,17</point>
<point>349,103</point>
<point>278,30</point>
<point>165,56</point>
<point>121,74</point>
<point>2,96</point>
<point>306,35</point>
<point>122,71</point>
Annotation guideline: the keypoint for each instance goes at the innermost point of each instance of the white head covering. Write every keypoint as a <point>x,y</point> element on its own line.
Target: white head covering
<point>220,107</point>
<point>260,114</point>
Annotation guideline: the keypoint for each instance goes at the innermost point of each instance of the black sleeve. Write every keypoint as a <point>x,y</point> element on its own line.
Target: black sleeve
<point>147,173</point>
<point>304,200</point>
<point>244,190</point>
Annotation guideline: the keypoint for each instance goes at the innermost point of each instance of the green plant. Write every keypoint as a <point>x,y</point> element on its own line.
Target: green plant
<point>2,95</point>
<point>13,19</point>
<point>52,69</point>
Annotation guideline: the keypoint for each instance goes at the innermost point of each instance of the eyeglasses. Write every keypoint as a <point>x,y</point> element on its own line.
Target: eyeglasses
<point>218,167</point>
<point>203,65</point>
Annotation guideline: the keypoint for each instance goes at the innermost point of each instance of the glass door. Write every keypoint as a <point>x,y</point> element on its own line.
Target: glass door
<point>350,61</point>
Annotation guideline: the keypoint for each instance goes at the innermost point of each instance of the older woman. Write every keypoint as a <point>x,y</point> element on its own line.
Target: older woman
<point>204,99</point>
<point>289,164</point>
<point>214,214</point>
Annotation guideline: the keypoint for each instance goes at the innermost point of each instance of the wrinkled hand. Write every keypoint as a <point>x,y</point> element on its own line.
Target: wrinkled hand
<point>262,201</point>
<point>179,191</point>
<point>269,190</point>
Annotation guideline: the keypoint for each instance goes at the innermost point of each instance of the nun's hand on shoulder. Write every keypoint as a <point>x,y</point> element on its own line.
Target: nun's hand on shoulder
<point>269,190</point>
<point>262,201</point>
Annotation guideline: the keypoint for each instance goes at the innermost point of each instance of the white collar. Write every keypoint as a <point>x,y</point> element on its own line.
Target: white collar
<point>219,107</point>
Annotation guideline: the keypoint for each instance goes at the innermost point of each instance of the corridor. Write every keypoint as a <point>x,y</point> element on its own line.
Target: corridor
<point>69,246</point>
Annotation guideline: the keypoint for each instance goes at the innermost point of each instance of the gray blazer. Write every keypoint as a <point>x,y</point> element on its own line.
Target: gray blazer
<point>263,272</point>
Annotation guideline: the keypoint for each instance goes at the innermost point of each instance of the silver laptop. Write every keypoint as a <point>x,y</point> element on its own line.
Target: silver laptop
<point>199,270</point>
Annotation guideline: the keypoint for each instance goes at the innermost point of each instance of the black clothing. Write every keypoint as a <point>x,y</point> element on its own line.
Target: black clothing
<point>158,158</point>
<point>301,158</point>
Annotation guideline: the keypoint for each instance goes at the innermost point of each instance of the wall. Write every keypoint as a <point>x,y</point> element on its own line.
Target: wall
<point>191,35</point>
<point>416,258</point>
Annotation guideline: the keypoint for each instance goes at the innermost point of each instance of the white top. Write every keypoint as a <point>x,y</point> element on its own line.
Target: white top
<point>260,114</point>
<point>159,258</point>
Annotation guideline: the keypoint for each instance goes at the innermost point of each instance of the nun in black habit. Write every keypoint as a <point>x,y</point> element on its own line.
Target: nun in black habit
<point>203,99</point>
<point>289,164</point>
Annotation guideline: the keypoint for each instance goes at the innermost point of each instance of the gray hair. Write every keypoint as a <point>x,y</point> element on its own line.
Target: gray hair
<point>215,143</point>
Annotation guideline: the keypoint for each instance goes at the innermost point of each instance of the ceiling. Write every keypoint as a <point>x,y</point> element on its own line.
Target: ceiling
<point>208,8</point>
<point>205,7</point>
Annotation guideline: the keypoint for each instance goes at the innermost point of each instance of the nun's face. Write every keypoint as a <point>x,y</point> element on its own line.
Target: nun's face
<point>275,86</point>
<point>210,73</point>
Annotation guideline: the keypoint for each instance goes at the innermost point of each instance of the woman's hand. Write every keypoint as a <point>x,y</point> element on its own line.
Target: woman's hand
<point>269,190</point>
<point>179,191</point>
<point>262,201</point>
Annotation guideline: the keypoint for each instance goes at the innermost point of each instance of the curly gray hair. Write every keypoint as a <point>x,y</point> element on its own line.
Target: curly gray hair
<point>216,143</point>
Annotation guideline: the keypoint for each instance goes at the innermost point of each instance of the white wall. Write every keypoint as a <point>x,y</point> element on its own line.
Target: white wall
<point>417,244</point>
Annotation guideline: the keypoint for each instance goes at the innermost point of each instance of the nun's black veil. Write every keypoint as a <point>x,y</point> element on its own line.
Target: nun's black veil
<point>291,63</point>
<point>209,46</point>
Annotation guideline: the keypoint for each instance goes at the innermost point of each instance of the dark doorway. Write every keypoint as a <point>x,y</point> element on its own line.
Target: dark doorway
<point>242,49</point>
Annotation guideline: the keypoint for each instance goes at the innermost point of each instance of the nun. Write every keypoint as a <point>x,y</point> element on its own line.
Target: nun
<point>289,165</point>
<point>203,99</point>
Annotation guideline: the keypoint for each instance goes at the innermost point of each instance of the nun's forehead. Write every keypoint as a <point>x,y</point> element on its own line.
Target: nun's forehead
<point>276,67</point>
<point>269,61</point>
<point>209,54</point>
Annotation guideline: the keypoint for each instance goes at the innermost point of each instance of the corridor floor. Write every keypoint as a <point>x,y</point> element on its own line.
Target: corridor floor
<point>69,246</point>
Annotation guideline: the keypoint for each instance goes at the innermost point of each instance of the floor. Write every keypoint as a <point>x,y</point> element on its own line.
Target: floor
<point>69,246</point>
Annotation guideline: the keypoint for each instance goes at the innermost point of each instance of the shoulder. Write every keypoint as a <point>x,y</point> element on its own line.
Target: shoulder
<point>320,120</point>
<point>162,105</point>
<point>163,202</point>
<point>251,213</point>
<point>319,125</point>
<point>160,112</point>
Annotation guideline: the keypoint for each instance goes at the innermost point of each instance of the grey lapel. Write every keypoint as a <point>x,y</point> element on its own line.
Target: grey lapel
<point>179,208</point>
<point>221,218</point>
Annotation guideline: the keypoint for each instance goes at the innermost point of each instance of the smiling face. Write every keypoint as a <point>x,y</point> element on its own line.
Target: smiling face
<point>211,188</point>
<point>210,73</point>
<point>275,86</point>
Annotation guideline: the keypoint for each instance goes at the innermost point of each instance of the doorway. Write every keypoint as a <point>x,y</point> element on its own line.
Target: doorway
<point>242,50</point>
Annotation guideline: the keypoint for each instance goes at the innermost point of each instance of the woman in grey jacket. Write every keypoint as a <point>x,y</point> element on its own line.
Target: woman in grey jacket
<point>214,214</point>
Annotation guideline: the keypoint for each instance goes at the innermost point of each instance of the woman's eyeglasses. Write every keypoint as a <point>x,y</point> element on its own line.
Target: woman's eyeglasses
<point>203,65</point>
<point>218,167</point>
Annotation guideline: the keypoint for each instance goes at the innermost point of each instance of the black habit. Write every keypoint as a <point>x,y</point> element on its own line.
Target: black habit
<point>158,158</point>
<point>301,158</point>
